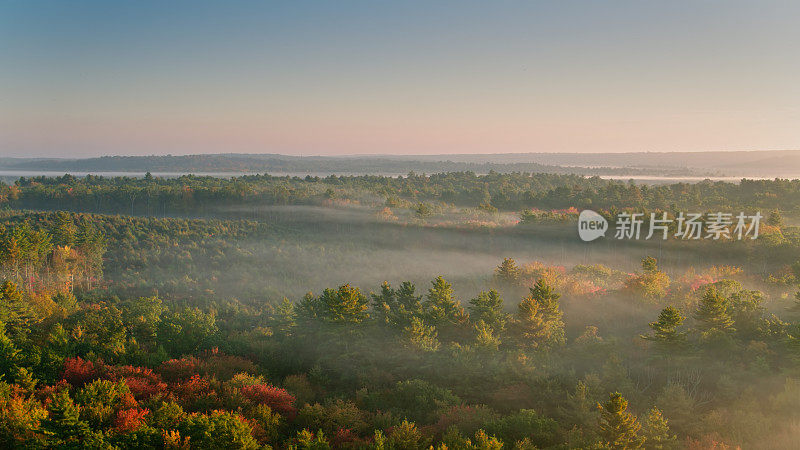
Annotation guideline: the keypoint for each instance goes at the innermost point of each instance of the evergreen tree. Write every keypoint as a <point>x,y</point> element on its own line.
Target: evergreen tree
<point>775,218</point>
<point>665,329</point>
<point>344,305</point>
<point>284,319</point>
<point>538,320</point>
<point>619,429</point>
<point>63,422</point>
<point>655,429</point>
<point>649,264</point>
<point>419,336</point>
<point>307,440</point>
<point>485,336</point>
<point>747,312</point>
<point>64,230</point>
<point>488,307</point>
<point>440,306</point>
<point>384,304</point>
<point>406,436</point>
<point>407,298</point>
<point>9,355</point>
<point>507,271</point>
<point>712,313</point>
<point>15,312</point>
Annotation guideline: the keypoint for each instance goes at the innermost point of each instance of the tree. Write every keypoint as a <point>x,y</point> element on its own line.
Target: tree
<point>384,304</point>
<point>306,440</point>
<point>64,230</point>
<point>186,331</point>
<point>538,318</point>
<point>525,424</point>
<point>14,310</point>
<point>423,210</point>
<point>346,305</point>
<point>488,307</point>
<point>419,336</point>
<point>99,401</point>
<point>63,422</point>
<point>507,271</point>
<point>482,441</point>
<point>619,429</point>
<point>406,436</point>
<point>220,429</point>
<point>712,313</point>
<point>9,356</point>
<point>775,218</point>
<point>91,245</point>
<point>746,311</point>
<point>649,264</point>
<point>665,329</point>
<point>440,306</point>
<point>284,319</point>
<point>408,299</point>
<point>485,337</point>
<point>655,428</point>
<point>142,317</point>
<point>651,283</point>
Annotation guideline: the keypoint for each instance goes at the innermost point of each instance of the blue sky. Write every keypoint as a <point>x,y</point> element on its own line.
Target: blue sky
<point>85,78</point>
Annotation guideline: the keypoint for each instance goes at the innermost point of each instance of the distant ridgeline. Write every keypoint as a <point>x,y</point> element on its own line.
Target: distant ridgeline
<point>492,192</point>
<point>273,163</point>
<point>769,164</point>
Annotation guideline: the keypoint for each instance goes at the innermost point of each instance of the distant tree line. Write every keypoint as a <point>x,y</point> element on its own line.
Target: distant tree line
<point>491,192</point>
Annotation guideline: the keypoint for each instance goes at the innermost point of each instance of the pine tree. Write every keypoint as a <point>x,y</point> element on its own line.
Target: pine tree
<point>396,307</point>
<point>507,271</point>
<point>488,307</point>
<point>547,298</point>
<point>440,306</point>
<point>619,429</point>
<point>344,305</point>
<point>712,313</point>
<point>419,336</point>
<point>384,304</point>
<point>65,230</point>
<point>407,298</point>
<point>775,218</point>
<point>485,337</point>
<point>538,319</point>
<point>15,311</point>
<point>9,355</point>
<point>63,421</point>
<point>92,245</point>
<point>649,264</point>
<point>665,329</point>
<point>655,428</point>
<point>284,319</point>
<point>406,436</point>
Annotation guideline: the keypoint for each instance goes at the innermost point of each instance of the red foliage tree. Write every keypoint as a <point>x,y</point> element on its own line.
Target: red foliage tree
<point>276,398</point>
<point>182,369</point>
<point>345,438</point>
<point>128,420</point>
<point>143,382</point>
<point>78,371</point>
<point>197,394</point>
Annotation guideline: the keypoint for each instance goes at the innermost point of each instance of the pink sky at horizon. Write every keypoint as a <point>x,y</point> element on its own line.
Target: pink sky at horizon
<point>95,79</point>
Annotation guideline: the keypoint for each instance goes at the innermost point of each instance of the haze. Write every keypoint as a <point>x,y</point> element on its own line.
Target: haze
<point>97,78</point>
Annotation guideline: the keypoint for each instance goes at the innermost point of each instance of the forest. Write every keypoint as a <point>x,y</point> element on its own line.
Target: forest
<point>192,194</point>
<point>444,311</point>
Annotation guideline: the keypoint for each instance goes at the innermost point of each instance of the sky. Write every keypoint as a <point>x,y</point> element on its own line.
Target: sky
<point>90,78</point>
